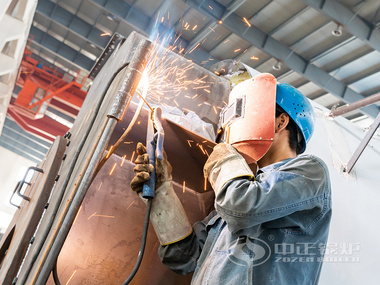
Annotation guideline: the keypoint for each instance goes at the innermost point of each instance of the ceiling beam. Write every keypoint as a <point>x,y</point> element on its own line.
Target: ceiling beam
<point>282,52</point>
<point>352,22</point>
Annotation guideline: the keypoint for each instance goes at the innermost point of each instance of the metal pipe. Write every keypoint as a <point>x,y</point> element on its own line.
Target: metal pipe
<point>39,244</point>
<point>117,112</point>
<point>63,229</point>
<point>131,80</point>
<point>363,144</point>
<point>354,106</point>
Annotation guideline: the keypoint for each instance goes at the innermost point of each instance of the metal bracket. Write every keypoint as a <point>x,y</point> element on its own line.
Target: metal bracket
<point>363,144</point>
<point>21,183</point>
<point>111,46</point>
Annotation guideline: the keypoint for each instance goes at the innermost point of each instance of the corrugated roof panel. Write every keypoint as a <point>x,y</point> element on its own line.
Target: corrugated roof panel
<point>354,68</point>
<point>368,82</point>
<point>149,6</point>
<point>278,12</point>
<point>353,49</point>
<point>300,27</point>
<point>215,37</point>
<point>250,8</point>
<point>319,40</point>
<point>231,47</point>
<point>191,24</point>
<point>89,11</point>
<point>253,57</point>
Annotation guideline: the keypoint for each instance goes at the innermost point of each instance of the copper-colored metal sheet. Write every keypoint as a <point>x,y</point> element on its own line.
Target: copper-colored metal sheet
<point>16,239</point>
<point>103,243</point>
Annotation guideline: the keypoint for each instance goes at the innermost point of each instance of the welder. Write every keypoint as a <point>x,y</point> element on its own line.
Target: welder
<point>269,226</point>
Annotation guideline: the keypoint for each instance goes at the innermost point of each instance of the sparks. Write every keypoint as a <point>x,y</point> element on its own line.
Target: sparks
<point>113,168</point>
<point>194,47</point>
<point>122,161</point>
<point>130,205</point>
<point>76,216</point>
<point>109,151</point>
<point>71,277</point>
<point>247,22</point>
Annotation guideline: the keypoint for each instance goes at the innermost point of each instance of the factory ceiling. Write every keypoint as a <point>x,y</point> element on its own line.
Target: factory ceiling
<point>328,49</point>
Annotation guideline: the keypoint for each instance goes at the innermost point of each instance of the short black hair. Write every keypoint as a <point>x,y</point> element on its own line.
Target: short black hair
<point>293,131</point>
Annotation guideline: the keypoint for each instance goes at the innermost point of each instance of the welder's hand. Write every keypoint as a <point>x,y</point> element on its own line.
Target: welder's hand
<point>167,215</point>
<point>143,169</point>
<point>225,163</point>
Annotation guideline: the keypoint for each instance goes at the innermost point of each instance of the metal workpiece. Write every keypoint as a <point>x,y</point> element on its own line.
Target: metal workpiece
<point>72,210</point>
<point>86,132</point>
<point>130,80</point>
<point>19,234</point>
<point>104,241</point>
<point>105,253</point>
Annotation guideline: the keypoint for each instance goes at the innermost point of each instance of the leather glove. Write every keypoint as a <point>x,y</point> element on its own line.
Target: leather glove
<point>143,169</point>
<point>167,214</point>
<point>225,163</point>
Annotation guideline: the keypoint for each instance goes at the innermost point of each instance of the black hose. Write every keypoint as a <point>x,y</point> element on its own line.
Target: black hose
<point>143,242</point>
<point>82,142</point>
<point>55,274</point>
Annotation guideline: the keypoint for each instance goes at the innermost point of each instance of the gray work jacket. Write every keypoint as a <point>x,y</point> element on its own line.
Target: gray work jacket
<point>269,231</point>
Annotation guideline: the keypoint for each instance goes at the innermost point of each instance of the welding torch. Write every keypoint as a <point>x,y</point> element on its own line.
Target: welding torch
<point>155,149</point>
<point>154,145</point>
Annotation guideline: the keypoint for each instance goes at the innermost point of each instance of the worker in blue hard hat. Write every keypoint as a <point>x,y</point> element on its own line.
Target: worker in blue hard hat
<point>270,225</point>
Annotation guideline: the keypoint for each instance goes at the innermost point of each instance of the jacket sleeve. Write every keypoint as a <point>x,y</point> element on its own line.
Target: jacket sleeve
<point>296,186</point>
<point>182,256</point>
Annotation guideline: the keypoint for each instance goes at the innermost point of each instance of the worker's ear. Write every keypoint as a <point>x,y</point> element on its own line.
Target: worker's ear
<point>281,122</point>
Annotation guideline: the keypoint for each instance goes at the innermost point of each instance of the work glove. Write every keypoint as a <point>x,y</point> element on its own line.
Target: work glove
<point>167,215</point>
<point>225,163</point>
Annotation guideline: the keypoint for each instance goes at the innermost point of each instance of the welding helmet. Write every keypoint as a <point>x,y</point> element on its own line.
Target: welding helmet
<point>248,120</point>
<point>299,109</point>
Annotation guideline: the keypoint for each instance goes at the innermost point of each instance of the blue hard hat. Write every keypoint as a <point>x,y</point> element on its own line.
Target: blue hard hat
<point>298,107</point>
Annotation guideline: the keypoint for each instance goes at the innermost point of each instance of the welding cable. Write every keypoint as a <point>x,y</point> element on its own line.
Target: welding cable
<point>84,138</point>
<point>55,273</point>
<point>143,242</point>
